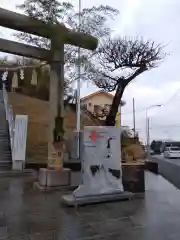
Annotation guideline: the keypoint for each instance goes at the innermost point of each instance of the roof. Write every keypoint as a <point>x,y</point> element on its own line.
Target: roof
<point>95,119</point>
<point>98,92</point>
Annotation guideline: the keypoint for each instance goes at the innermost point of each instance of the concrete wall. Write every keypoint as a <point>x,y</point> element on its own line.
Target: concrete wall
<point>169,170</point>
<point>38,123</point>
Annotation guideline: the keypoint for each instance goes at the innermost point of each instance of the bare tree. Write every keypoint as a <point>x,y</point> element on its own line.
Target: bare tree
<point>118,62</point>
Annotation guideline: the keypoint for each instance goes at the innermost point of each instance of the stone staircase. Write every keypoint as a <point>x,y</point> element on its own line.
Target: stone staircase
<point>5,148</point>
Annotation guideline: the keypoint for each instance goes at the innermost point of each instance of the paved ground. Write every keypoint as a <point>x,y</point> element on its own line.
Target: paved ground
<point>26,213</point>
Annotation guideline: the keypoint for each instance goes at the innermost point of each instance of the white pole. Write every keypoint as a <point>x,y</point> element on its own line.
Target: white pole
<point>134,119</point>
<point>78,123</point>
<point>146,128</point>
<point>147,140</point>
<point>148,144</point>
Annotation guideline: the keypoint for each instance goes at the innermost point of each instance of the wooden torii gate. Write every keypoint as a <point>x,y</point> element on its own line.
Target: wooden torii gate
<point>59,35</point>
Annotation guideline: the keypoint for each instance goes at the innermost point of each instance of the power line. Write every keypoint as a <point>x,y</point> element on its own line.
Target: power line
<point>140,110</point>
<point>166,126</point>
<point>166,103</point>
<point>163,126</point>
<point>170,99</point>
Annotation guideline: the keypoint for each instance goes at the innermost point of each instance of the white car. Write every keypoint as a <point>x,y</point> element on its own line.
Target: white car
<point>172,152</point>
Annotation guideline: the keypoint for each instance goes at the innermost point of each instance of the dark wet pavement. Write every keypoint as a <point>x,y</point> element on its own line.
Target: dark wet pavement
<point>26,213</point>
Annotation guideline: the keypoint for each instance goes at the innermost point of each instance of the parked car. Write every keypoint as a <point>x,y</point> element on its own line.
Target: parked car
<point>172,152</point>
<point>151,152</point>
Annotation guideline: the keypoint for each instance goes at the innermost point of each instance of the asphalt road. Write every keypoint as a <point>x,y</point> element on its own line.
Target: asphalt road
<point>168,168</point>
<point>172,160</point>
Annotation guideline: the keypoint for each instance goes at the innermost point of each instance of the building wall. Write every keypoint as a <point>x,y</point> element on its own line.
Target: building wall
<point>38,123</point>
<point>100,99</point>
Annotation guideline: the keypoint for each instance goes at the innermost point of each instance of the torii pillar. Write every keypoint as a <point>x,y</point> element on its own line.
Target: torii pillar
<point>56,98</point>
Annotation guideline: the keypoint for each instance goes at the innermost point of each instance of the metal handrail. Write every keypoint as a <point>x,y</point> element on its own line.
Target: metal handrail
<point>9,115</point>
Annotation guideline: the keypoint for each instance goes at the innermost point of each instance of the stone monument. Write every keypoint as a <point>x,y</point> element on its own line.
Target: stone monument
<point>101,168</point>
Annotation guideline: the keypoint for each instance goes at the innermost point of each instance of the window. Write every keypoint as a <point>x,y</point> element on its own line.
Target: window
<point>96,108</point>
<point>174,149</point>
<point>84,106</point>
<point>108,106</point>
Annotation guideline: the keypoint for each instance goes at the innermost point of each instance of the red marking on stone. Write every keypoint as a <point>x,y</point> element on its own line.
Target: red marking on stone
<point>93,136</point>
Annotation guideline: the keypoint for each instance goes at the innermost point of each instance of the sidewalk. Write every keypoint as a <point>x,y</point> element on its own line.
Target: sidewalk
<point>26,213</point>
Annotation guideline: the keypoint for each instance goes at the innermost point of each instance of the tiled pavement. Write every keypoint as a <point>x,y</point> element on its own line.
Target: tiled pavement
<point>26,213</point>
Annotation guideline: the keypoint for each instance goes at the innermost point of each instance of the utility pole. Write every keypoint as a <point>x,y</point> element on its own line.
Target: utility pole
<point>78,91</point>
<point>148,137</point>
<point>147,128</point>
<point>134,119</point>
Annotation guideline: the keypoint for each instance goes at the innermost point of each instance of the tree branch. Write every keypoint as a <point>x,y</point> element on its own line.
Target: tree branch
<point>134,75</point>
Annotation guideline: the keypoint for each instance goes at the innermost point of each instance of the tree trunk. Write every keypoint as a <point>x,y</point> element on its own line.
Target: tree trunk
<point>111,118</point>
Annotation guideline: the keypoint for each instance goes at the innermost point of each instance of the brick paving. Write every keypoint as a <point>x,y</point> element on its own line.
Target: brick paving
<point>27,214</point>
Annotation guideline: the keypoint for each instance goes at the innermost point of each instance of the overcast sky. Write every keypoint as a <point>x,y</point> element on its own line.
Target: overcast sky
<point>159,21</point>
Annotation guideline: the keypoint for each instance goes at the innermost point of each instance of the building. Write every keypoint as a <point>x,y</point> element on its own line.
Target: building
<point>96,101</point>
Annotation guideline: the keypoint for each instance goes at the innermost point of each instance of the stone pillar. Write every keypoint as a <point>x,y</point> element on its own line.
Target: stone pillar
<point>101,163</point>
<point>56,95</point>
<point>101,168</point>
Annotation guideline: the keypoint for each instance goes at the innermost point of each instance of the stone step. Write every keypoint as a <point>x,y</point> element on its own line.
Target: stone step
<point>4,138</point>
<point>5,155</point>
<point>5,158</point>
<point>5,143</point>
<point>5,163</point>
<point>5,147</point>
<point>5,167</point>
<point>5,151</point>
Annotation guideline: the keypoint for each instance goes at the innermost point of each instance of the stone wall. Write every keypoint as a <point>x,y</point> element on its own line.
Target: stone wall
<point>38,123</point>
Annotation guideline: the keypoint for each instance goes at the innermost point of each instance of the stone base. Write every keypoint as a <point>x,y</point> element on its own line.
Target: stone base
<point>71,200</point>
<point>18,165</point>
<point>41,188</point>
<point>133,177</point>
<point>76,178</point>
<point>54,178</point>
